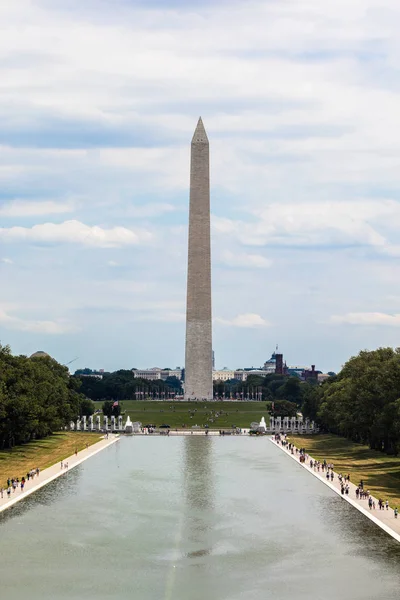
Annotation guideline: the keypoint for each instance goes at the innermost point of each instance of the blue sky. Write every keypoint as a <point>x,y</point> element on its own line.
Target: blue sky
<point>98,105</point>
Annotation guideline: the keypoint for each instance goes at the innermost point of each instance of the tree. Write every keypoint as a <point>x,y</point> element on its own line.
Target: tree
<point>86,407</point>
<point>174,383</point>
<point>283,408</point>
<point>362,401</point>
<point>109,410</point>
<point>37,397</point>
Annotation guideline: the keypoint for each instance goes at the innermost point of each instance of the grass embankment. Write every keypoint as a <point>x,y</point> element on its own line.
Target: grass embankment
<point>176,414</point>
<point>380,472</point>
<point>42,453</point>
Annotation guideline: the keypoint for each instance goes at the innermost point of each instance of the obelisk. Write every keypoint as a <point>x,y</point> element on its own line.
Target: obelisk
<point>198,359</point>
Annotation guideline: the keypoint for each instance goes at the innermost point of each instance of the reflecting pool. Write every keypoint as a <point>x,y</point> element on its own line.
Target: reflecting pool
<point>193,518</point>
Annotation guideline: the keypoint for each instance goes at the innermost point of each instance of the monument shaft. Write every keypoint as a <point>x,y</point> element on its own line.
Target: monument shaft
<point>198,359</point>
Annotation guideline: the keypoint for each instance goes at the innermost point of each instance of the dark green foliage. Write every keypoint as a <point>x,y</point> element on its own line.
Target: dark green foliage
<point>283,408</point>
<point>86,407</point>
<point>271,387</point>
<point>37,397</point>
<point>109,410</point>
<point>123,385</point>
<point>362,402</point>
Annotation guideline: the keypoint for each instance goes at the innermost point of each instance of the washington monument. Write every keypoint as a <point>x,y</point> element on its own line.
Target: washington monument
<point>198,358</point>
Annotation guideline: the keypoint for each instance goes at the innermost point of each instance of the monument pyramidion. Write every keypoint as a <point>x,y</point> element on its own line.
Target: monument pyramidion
<point>198,355</point>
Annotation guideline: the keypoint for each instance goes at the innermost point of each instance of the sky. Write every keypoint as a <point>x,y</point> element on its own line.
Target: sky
<point>98,103</point>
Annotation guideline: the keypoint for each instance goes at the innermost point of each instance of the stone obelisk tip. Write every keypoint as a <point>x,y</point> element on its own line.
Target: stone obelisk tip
<point>200,136</point>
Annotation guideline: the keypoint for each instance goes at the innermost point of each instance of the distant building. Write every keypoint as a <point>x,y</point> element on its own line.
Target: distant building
<point>86,372</point>
<point>270,364</point>
<point>40,354</point>
<point>223,375</point>
<point>323,377</point>
<point>296,371</point>
<point>165,373</point>
<point>311,374</point>
<point>157,373</point>
<point>279,364</point>
<point>149,374</point>
<point>242,374</point>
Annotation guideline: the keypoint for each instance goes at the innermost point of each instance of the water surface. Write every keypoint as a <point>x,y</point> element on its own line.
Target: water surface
<point>192,518</point>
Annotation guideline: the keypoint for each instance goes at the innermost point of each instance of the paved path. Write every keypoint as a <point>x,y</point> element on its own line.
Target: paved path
<point>383,518</point>
<point>53,472</point>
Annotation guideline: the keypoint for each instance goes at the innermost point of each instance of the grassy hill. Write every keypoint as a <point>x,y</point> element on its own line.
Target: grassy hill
<point>216,415</point>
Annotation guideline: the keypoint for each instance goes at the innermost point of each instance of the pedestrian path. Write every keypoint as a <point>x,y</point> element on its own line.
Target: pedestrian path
<point>53,472</point>
<point>385,519</point>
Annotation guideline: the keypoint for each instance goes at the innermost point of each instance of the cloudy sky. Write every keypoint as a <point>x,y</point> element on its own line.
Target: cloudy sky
<point>98,103</point>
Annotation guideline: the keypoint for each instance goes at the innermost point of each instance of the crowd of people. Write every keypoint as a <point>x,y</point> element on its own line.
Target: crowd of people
<point>344,480</point>
<point>14,483</point>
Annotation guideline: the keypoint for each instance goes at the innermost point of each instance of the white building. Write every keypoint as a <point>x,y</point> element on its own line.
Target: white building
<point>323,377</point>
<point>157,373</point>
<point>150,374</point>
<point>240,375</point>
<point>260,372</point>
<point>171,373</point>
<point>223,375</point>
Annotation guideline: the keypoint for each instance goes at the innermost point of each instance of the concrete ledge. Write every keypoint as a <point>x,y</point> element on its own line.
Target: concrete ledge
<point>361,509</point>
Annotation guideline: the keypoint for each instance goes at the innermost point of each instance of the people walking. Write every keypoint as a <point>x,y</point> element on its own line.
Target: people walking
<point>343,479</point>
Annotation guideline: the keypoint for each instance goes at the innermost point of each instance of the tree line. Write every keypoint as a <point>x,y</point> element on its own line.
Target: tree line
<point>123,385</point>
<point>362,402</point>
<point>273,388</point>
<point>37,397</point>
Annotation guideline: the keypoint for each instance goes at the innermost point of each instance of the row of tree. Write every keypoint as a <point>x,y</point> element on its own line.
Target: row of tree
<point>123,385</point>
<point>37,397</point>
<point>362,402</point>
<point>272,387</point>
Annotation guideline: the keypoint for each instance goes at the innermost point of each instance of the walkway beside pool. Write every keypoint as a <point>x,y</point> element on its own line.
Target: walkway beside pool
<point>53,472</point>
<point>383,518</point>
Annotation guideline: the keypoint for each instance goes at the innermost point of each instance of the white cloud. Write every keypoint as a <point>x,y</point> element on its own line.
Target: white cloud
<point>367,318</point>
<point>246,260</point>
<point>246,320</point>
<point>341,223</point>
<point>75,232</point>
<point>24,208</point>
<point>109,118</point>
<point>7,261</point>
<point>35,326</point>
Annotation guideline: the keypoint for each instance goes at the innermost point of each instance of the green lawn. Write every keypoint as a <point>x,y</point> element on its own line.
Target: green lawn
<point>176,414</point>
<point>42,453</point>
<point>381,473</point>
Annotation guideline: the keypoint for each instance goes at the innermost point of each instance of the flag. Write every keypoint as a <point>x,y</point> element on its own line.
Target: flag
<point>115,403</point>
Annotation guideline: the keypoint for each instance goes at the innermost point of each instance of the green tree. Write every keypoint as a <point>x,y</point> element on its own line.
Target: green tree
<point>362,401</point>
<point>284,408</point>
<point>86,407</point>
<point>37,397</point>
<point>109,410</point>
